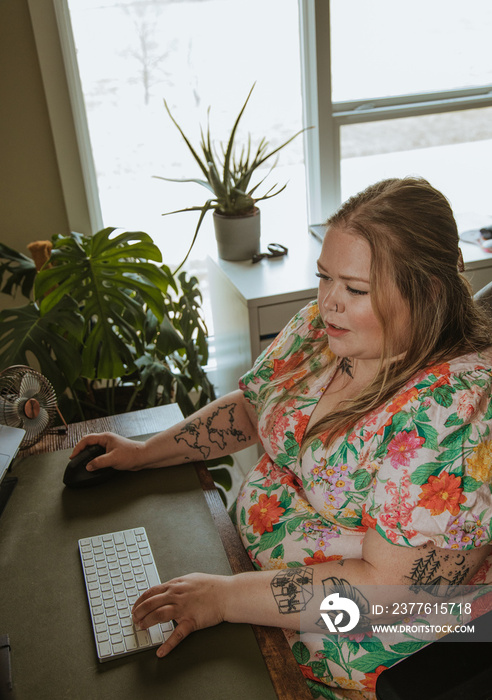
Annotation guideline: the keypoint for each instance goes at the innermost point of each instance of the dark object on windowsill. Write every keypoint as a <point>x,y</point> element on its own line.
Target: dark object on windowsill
<point>486,232</point>
<point>275,250</point>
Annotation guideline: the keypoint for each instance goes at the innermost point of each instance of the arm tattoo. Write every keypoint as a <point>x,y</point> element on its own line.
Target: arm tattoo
<point>437,572</point>
<point>191,434</point>
<point>333,584</point>
<point>216,429</point>
<point>292,589</point>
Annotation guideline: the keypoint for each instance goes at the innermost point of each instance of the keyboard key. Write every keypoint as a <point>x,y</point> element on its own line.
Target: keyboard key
<point>130,537</point>
<point>152,576</point>
<point>143,638</point>
<point>104,649</point>
<point>155,634</point>
<point>131,643</point>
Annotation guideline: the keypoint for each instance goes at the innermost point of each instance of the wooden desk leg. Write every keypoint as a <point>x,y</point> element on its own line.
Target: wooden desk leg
<point>286,677</point>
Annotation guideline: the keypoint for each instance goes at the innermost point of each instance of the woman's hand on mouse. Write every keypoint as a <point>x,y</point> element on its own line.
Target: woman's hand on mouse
<point>194,601</point>
<point>121,453</point>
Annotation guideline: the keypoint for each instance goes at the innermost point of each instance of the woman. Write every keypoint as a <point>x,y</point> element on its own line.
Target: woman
<point>373,407</point>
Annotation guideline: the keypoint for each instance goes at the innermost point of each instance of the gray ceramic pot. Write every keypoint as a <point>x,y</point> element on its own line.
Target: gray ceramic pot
<point>238,237</point>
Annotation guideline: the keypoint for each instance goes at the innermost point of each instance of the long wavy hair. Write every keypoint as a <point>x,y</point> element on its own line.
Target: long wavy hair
<point>414,243</point>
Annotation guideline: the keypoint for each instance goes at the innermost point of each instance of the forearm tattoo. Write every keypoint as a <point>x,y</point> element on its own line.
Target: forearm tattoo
<point>438,572</point>
<point>218,427</point>
<point>333,584</point>
<point>293,589</point>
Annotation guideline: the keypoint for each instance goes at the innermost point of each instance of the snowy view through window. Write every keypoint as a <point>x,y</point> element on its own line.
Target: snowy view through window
<point>133,54</point>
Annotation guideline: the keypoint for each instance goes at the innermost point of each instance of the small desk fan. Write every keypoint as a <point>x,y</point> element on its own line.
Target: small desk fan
<point>28,401</point>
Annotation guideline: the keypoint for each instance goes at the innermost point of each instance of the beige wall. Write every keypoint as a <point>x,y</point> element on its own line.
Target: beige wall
<point>31,198</point>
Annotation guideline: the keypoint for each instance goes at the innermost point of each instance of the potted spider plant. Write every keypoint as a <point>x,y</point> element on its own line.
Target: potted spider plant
<point>233,193</point>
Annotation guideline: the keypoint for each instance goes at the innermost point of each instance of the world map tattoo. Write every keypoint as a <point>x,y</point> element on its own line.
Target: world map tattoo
<point>293,589</point>
<point>219,426</point>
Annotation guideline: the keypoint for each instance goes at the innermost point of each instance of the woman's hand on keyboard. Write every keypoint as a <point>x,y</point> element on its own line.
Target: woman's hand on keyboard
<point>193,601</point>
<point>121,453</point>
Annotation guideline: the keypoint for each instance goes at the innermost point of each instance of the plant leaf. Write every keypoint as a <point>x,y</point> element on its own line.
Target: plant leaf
<point>21,269</point>
<point>52,339</point>
<point>113,283</point>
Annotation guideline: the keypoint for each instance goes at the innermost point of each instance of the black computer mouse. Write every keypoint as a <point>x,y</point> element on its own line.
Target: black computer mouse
<point>76,475</point>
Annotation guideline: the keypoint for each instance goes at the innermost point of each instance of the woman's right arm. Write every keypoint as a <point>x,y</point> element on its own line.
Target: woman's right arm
<point>220,428</point>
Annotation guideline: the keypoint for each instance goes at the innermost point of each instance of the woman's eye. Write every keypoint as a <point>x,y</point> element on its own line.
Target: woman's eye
<point>321,276</point>
<point>356,292</point>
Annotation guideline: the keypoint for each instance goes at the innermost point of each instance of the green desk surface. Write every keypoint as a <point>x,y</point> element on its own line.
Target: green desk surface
<point>43,604</point>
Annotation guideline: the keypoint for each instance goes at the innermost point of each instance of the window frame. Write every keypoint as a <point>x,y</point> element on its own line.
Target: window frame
<point>322,144</point>
<point>64,98</point>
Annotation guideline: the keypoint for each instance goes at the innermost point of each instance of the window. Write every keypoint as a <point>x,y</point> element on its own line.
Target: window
<point>133,54</point>
<point>391,89</point>
<point>398,89</point>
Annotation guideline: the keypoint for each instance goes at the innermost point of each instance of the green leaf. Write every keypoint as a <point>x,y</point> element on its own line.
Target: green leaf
<point>294,523</point>
<point>408,647</point>
<point>291,446</point>
<point>20,271</point>
<point>488,413</point>
<point>470,484</point>
<point>430,434</point>
<point>272,539</point>
<point>450,456</point>
<point>369,662</point>
<point>54,340</point>
<point>222,476</point>
<point>458,437</point>
<point>372,644</point>
<point>284,460</point>
<point>399,421</point>
<point>319,670</point>
<point>331,650</point>
<point>352,645</point>
<point>424,471</point>
<point>301,652</point>
<point>278,551</point>
<point>319,690</point>
<point>362,479</point>
<point>443,395</point>
<point>168,339</point>
<point>453,420</point>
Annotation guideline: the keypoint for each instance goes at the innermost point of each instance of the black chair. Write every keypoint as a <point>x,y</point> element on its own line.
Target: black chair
<point>447,669</point>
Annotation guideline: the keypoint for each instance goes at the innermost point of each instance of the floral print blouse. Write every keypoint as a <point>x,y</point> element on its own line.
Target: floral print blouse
<point>417,469</point>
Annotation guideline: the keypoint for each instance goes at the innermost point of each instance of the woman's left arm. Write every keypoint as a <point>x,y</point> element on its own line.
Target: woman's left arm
<point>291,598</point>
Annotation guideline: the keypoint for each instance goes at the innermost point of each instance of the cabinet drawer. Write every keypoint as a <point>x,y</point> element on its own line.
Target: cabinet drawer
<point>272,318</point>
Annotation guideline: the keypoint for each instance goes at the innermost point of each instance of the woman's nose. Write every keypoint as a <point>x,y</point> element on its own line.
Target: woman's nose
<point>333,302</point>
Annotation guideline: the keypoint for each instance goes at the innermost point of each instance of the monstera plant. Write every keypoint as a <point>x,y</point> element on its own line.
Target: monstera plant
<point>110,326</point>
<point>105,315</point>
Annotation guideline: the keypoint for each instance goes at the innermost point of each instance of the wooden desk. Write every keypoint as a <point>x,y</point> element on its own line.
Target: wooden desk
<point>284,672</point>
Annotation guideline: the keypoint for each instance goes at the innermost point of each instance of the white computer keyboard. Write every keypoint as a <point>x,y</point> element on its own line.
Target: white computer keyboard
<point>118,567</point>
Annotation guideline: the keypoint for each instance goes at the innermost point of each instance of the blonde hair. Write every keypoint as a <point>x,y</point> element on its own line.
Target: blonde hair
<point>414,244</point>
